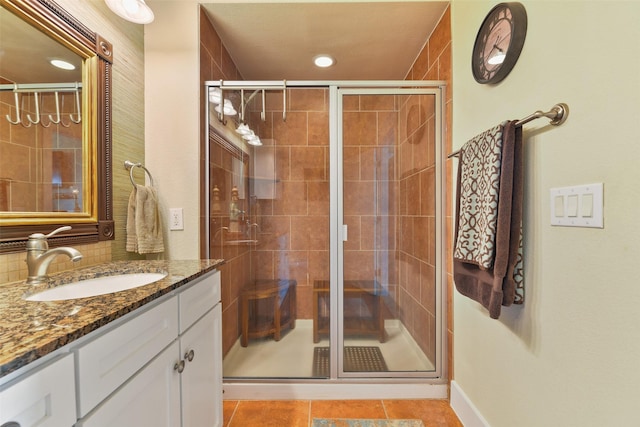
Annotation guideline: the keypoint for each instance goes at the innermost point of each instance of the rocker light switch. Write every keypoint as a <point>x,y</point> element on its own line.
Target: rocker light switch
<point>572,205</point>
<point>578,206</point>
<point>586,210</point>
<point>559,206</point>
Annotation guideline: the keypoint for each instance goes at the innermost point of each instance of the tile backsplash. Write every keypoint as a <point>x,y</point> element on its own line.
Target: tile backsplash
<point>14,268</point>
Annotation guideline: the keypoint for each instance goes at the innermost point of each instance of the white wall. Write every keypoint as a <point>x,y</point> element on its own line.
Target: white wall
<point>570,356</point>
<point>172,117</point>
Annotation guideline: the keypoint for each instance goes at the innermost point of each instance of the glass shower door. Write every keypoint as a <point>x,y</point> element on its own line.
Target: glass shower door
<point>330,234</point>
<point>388,311</point>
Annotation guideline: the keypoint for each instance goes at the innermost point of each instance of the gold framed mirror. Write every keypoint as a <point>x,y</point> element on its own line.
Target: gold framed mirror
<point>55,127</point>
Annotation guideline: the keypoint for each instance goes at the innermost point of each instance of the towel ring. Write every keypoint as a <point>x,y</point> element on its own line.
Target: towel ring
<point>130,165</point>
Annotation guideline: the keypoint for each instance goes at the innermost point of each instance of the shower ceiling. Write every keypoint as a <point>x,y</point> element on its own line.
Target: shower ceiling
<point>369,40</point>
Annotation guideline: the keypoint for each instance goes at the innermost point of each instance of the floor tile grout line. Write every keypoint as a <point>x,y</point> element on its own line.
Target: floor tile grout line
<point>232,413</point>
<point>384,408</point>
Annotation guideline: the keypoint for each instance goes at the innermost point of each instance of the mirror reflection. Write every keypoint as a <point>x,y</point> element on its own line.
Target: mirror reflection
<point>43,160</point>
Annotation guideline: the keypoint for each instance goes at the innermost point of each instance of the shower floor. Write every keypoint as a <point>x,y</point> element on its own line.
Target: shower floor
<point>292,356</point>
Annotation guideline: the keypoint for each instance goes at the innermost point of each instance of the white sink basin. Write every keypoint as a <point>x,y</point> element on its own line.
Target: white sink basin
<point>96,286</point>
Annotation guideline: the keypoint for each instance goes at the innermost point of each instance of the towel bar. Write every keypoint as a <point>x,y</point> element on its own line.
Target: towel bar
<point>557,116</point>
<point>130,165</point>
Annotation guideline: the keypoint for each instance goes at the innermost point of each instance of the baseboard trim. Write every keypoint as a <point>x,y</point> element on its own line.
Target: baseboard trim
<point>332,391</point>
<point>465,409</point>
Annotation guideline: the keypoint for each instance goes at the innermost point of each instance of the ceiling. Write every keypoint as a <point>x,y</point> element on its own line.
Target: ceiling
<point>376,40</point>
<point>369,40</point>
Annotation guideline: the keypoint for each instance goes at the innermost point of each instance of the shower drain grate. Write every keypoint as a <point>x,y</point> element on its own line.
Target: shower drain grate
<point>356,359</point>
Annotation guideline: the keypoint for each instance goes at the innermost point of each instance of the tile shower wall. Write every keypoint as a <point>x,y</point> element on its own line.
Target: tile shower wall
<point>216,64</point>
<point>294,226</point>
<point>236,272</point>
<point>416,235</point>
<point>294,220</point>
<point>434,63</point>
<point>389,186</point>
<point>371,192</point>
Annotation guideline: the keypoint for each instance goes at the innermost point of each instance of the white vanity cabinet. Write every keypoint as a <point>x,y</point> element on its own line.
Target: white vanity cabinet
<point>44,397</point>
<point>178,385</point>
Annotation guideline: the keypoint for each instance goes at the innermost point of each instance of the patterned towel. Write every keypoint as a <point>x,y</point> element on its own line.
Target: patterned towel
<point>479,185</point>
<point>488,245</point>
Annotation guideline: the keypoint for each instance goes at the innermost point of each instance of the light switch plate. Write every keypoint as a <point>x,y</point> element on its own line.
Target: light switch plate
<point>584,206</point>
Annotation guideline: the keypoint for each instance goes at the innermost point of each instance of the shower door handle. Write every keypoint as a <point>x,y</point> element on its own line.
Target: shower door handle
<point>345,232</point>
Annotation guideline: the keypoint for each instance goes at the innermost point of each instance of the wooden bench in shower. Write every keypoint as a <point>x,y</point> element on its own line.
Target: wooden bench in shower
<point>369,292</point>
<point>267,308</point>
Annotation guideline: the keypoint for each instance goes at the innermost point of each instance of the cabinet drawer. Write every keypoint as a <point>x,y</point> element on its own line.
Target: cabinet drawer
<point>198,299</point>
<point>108,361</point>
<point>44,398</point>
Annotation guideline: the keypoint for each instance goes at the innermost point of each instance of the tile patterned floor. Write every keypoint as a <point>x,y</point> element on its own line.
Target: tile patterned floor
<point>300,413</point>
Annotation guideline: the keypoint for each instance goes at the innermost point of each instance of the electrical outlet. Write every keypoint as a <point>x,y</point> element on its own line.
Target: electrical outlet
<point>176,219</point>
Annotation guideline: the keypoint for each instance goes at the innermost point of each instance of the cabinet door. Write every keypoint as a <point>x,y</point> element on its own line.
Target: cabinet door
<point>105,363</point>
<point>202,376</point>
<point>44,398</point>
<point>150,399</point>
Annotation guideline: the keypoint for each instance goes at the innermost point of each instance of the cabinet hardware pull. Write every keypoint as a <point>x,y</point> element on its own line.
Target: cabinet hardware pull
<point>189,356</point>
<point>179,366</point>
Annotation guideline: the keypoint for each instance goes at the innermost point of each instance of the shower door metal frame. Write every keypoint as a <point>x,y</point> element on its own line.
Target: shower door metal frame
<point>338,229</point>
<point>338,385</point>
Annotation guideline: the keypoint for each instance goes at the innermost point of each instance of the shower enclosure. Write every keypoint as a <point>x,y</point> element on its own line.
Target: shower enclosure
<point>324,200</point>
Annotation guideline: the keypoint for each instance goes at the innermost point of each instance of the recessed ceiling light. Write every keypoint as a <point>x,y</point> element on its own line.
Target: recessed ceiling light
<point>62,64</point>
<point>324,61</point>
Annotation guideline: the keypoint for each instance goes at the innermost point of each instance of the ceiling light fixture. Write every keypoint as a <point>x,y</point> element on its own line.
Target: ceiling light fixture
<point>132,10</point>
<point>254,140</point>
<point>323,61</point>
<point>228,108</point>
<point>243,129</point>
<point>64,65</point>
<point>215,95</point>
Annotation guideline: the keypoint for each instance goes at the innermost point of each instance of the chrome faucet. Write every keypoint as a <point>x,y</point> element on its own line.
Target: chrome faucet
<point>39,256</point>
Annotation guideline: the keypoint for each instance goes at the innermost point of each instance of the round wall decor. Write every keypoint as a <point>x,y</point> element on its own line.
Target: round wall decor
<point>499,42</point>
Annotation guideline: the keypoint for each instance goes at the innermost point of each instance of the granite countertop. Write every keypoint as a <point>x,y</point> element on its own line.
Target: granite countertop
<point>30,330</point>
